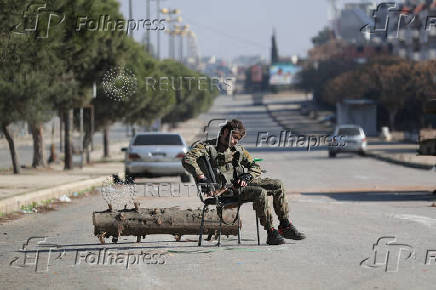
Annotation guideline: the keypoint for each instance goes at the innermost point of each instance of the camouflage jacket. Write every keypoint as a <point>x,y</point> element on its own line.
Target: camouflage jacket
<point>229,163</point>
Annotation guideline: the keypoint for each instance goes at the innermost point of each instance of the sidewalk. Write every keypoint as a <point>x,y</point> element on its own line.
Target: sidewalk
<point>286,110</point>
<point>39,185</point>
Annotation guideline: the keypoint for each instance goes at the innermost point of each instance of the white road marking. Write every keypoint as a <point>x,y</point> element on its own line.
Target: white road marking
<point>429,222</point>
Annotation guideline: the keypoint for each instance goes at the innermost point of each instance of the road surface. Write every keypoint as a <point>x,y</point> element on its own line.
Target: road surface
<point>346,230</point>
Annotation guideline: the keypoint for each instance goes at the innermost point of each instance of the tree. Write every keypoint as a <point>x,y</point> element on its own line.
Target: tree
<point>314,77</point>
<point>194,92</point>
<point>426,82</point>
<point>150,101</point>
<point>274,49</point>
<point>397,84</point>
<point>85,52</point>
<point>354,84</point>
<point>323,37</point>
<point>10,96</point>
<point>392,82</point>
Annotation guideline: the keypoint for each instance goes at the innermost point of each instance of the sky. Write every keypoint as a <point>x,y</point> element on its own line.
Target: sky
<point>229,28</point>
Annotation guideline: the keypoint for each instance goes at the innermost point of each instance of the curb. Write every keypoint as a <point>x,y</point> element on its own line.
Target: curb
<point>15,203</point>
<point>398,162</point>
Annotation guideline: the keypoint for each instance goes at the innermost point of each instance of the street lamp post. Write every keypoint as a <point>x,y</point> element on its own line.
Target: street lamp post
<point>181,31</point>
<point>130,16</point>
<point>147,30</point>
<point>171,30</point>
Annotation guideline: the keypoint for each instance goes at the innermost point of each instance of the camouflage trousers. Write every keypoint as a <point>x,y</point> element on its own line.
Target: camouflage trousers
<point>258,191</point>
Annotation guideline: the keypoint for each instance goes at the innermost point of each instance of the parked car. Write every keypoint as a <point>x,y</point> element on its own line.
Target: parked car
<point>351,138</point>
<point>155,154</point>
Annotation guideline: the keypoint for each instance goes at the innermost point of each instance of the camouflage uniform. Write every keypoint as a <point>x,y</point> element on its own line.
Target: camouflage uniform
<point>230,162</point>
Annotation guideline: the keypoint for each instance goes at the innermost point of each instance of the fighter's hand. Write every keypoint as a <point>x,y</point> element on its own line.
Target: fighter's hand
<point>206,185</point>
<point>242,183</point>
<point>244,179</point>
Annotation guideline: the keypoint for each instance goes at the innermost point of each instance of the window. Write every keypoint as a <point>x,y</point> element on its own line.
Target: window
<point>158,139</point>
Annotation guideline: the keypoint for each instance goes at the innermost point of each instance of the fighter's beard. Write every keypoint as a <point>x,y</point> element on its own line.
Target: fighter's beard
<point>226,144</point>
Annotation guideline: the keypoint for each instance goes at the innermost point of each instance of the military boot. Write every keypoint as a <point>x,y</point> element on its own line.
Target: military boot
<point>290,232</point>
<point>274,238</point>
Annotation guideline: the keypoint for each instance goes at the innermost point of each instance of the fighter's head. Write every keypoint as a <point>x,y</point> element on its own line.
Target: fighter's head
<point>231,133</point>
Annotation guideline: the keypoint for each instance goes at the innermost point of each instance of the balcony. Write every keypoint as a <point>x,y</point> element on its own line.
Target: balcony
<point>432,53</point>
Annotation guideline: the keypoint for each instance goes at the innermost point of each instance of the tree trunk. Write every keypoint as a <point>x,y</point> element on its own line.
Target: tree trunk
<point>68,122</point>
<point>86,145</point>
<point>38,145</point>
<point>53,157</point>
<point>106,152</point>
<point>61,139</point>
<point>392,115</point>
<point>146,221</point>
<point>11,143</point>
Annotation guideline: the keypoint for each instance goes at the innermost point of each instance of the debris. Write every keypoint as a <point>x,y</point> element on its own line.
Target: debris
<point>64,198</point>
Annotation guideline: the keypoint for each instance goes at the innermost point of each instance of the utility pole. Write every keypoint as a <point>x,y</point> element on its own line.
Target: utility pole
<point>157,31</point>
<point>147,30</point>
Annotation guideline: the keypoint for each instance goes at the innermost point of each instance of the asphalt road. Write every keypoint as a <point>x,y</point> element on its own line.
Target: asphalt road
<point>338,253</point>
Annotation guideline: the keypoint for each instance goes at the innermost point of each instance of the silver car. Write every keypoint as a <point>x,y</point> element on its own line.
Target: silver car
<point>155,154</point>
<point>351,139</point>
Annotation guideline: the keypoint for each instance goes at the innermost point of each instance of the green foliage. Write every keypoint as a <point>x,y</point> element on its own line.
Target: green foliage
<point>194,92</point>
<point>315,77</point>
<point>42,75</point>
<point>392,82</point>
